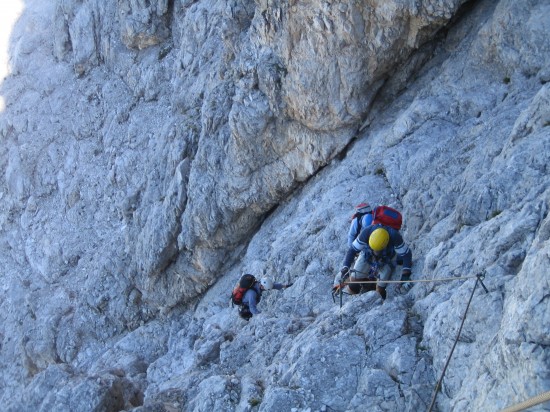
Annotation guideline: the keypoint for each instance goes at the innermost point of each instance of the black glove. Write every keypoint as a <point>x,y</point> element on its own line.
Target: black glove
<point>344,273</point>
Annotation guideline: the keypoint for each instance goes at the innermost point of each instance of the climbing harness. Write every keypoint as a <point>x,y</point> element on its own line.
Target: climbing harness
<point>479,280</point>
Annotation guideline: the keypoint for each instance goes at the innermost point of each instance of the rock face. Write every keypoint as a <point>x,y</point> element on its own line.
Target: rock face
<point>154,150</point>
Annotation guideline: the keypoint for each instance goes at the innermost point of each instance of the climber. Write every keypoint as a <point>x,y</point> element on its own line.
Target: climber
<point>360,219</point>
<point>378,245</point>
<point>253,296</point>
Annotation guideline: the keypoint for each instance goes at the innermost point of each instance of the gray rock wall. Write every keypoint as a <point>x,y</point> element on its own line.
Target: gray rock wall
<point>153,151</point>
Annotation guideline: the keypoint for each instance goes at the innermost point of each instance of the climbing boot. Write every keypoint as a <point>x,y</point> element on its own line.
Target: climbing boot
<point>382,291</point>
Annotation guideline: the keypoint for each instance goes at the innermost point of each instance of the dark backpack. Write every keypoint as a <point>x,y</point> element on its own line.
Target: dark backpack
<point>245,282</point>
<point>387,216</point>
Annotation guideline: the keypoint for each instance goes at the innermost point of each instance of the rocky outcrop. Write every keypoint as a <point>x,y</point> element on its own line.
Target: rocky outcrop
<point>154,150</point>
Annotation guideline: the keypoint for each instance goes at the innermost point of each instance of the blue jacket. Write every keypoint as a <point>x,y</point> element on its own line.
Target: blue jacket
<point>396,244</point>
<point>253,296</point>
<point>355,228</point>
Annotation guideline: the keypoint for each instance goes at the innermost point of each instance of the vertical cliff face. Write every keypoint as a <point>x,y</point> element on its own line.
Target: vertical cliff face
<point>154,150</point>
<point>262,95</point>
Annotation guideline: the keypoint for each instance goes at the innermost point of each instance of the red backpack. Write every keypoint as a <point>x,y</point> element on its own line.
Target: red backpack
<point>245,282</point>
<point>387,216</point>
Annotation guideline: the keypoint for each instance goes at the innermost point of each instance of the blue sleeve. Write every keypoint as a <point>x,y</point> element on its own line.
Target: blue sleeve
<point>402,250</point>
<point>350,256</point>
<point>249,299</point>
<point>366,220</point>
<point>278,286</point>
<point>352,233</point>
<point>359,244</point>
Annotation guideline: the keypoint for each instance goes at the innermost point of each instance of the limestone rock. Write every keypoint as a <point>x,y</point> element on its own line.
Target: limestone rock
<point>152,151</point>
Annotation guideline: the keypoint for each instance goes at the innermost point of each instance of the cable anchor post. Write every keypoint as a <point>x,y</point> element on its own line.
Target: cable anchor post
<point>480,277</point>
<point>340,290</point>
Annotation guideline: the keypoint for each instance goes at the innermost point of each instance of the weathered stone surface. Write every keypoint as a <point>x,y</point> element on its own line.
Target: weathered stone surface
<point>143,23</point>
<point>152,151</point>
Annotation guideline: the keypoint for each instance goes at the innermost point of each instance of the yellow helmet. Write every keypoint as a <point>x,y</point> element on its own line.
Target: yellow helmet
<point>379,239</point>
